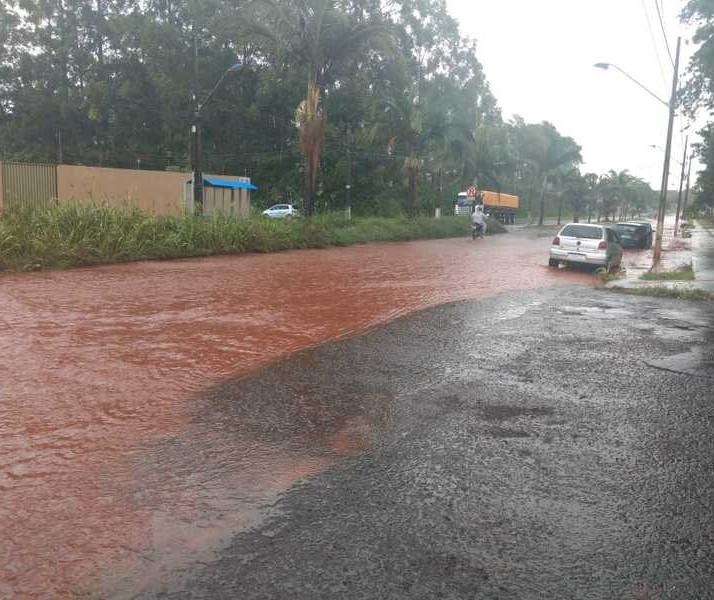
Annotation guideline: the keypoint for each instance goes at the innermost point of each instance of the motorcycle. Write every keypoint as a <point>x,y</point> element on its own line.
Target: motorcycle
<point>477,231</point>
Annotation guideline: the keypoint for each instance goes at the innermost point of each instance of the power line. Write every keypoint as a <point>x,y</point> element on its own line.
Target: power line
<point>664,33</point>
<point>654,43</point>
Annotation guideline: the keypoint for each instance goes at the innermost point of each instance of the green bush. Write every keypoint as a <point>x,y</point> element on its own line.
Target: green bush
<point>74,235</point>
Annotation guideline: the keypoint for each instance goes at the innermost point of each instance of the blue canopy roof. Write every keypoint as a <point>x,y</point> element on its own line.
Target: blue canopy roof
<point>225,183</point>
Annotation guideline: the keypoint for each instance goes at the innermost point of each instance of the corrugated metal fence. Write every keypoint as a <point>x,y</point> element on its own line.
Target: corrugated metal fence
<point>25,184</point>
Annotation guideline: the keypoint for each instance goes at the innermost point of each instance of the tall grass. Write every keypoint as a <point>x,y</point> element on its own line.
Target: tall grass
<point>683,275</point>
<point>74,235</point>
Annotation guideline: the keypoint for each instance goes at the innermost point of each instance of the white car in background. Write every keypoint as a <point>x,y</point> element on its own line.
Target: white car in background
<point>586,244</point>
<point>281,211</point>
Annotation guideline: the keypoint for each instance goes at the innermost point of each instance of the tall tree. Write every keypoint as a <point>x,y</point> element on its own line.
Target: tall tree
<point>316,36</point>
<point>575,190</point>
<point>699,91</point>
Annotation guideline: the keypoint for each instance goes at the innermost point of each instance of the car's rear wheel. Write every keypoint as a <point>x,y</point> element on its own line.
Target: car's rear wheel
<point>553,263</point>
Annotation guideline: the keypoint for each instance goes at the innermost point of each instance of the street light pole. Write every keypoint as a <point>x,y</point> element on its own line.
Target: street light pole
<point>606,66</point>
<point>348,183</point>
<point>657,252</point>
<point>197,177</point>
<point>196,148</point>
<point>681,185</point>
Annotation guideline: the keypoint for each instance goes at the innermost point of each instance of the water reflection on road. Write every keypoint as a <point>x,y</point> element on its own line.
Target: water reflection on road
<point>104,465</point>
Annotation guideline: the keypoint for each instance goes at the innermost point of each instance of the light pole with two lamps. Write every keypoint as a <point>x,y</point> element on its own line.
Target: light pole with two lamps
<point>197,183</point>
<point>657,252</point>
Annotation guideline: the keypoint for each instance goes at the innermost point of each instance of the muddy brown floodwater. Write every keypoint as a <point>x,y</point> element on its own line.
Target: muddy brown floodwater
<point>100,493</point>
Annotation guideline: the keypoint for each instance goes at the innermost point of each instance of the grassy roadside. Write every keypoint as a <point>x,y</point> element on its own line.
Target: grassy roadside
<point>679,275</point>
<point>69,236</point>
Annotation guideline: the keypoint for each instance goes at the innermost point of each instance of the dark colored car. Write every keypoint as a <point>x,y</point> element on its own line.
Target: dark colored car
<point>634,234</point>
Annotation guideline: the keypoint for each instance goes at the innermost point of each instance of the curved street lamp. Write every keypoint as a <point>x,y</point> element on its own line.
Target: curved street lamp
<point>657,252</point>
<point>197,183</point>
<point>606,66</point>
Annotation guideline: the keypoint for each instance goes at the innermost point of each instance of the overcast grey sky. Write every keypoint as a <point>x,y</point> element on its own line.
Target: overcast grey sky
<point>538,56</point>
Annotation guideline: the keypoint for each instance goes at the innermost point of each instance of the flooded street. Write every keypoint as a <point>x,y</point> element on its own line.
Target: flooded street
<point>110,474</point>
<point>551,443</point>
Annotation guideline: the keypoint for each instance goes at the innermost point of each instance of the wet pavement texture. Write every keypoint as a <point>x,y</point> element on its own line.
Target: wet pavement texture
<point>703,259</point>
<point>111,477</point>
<point>542,444</point>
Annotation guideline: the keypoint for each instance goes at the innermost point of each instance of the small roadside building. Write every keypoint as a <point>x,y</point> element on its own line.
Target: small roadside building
<point>222,196</point>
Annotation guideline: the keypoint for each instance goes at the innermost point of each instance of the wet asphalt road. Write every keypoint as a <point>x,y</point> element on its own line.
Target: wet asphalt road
<point>544,444</point>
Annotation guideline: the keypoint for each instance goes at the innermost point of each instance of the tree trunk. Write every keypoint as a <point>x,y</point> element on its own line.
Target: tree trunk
<point>412,169</point>
<point>312,121</point>
<point>99,33</point>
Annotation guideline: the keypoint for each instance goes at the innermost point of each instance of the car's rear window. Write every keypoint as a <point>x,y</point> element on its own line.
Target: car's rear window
<point>627,227</point>
<point>582,231</point>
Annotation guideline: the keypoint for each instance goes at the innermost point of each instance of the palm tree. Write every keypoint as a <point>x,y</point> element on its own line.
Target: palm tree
<point>408,130</point>
<point>550,152</point>
<point>319,37</point>
<point>615,192</point>
<point>591,192</point>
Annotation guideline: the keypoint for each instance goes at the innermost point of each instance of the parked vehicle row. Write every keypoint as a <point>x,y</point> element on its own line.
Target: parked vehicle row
<point>634,234</point>
<point>597,244</point>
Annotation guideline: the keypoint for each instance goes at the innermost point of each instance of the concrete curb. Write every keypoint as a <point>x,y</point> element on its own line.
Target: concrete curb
<point>696,249</point>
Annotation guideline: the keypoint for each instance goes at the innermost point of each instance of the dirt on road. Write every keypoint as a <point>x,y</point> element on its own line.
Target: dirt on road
<point>99,368</point>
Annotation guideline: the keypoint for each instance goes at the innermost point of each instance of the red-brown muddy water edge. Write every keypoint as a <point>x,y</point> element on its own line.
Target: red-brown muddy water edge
<point>100,488</point>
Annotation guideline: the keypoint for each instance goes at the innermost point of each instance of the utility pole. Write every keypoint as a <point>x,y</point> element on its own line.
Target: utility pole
<point>686,194</point>
<point>657,252</point>
<point>348,185</point>
<point>441,187</point>
<point>197,173</point>
<point>681,185</point>
<point>196,167</point>
<point>59,147</point>
<point>196,163</point>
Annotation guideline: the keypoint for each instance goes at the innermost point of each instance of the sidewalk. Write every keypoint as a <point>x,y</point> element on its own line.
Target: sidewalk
<point>703,257</point>
<point>680,253</point>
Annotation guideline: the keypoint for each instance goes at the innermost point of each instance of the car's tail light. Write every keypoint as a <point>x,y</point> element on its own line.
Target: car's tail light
<point>602,245</point>
<point>556,241</point>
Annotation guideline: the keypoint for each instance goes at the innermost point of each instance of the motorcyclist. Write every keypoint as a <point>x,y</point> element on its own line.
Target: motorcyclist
<point>478,222</point>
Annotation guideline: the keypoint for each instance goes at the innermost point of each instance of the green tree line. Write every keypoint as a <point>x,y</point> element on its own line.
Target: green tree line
<point>698,95</point>
<point>382,106</point>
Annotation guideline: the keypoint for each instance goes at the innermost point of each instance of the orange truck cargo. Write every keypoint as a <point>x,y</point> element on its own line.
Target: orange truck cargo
<point>497,205</point>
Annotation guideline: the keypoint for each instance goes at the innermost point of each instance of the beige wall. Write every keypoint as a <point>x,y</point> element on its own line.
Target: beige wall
<point>157,192</point>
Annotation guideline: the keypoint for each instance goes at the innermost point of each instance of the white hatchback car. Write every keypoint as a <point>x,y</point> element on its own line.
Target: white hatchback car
<point>281,211</point>
<point>588,244</point>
